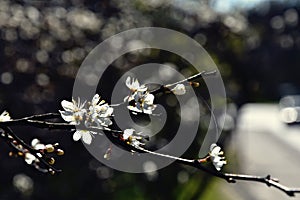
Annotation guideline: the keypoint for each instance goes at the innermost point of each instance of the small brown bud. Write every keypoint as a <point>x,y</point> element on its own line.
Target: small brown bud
<point>51,171</point>
<point>194,84</point>
<point>55,145</point>
<point>60,152</point>
<point>51,161</point>
<point>20,153</point>
<point>49,148</point>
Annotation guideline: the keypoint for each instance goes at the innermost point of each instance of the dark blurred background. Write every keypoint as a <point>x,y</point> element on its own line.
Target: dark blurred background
<point>255,45</point>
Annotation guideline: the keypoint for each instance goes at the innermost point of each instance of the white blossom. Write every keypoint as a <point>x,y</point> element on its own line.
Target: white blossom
<point>134,85</point>
<point>30,159</point>
<point>99,112</point>
<point>85,135</point>
<point>5,117</point>
<point>216,156</point>
<point>93,113</point>
<point>132,138</point>
<point>73,111</point>
<point>127,133</point>
<point>140,100</point>
<point>36,144</point>
<point>179,89</point>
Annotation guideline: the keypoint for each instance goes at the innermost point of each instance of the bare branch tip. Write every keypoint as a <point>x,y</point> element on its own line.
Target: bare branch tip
<point>210,73</point>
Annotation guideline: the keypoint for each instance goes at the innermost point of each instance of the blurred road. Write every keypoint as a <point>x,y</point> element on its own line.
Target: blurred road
<point>264,145</point>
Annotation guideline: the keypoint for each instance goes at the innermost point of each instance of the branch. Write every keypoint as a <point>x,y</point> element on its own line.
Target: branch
<point>35,121</point>
<point>189,79</point>
<point>41,159</point>
<point>229,177</point>
<point>22,149</point>
<point>31,121</point>
<point>166,88</point>
<point>128,141</point>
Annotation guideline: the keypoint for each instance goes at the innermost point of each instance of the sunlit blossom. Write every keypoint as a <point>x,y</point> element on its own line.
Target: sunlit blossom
<point>95,113</point>
<point>179,89</point>
<point>99,112</point>
<point>139,99</point>
<point>36,144</point>
<point>134,85</point>
<point>73,111</point>
<point>85,135</point>
<point>132,138</point>
<point>30,158</point>
<point>5,117</point>
<point>216,156</point>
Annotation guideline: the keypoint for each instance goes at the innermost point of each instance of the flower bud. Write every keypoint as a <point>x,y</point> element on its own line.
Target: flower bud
<point>60,152</point>
<point>194,84</point>
<point>51,161</point>
<point>56,144</point>
<point>49,148</point>
<point>51,171</point>
<point>20,153</point>
<point>35,141</point>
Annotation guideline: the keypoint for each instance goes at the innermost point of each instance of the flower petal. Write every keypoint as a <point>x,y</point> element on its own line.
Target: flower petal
<point>179,89</point>
<point>35,141</point>
<point>149,99</point>
<point>147,111</point>
<point>67,116</point>
<point>77,135</point>
<point>142,88</point>
<point>127,133</point>
<point>128,82</point>
<point>212,146</point>
<point>216,151</point>
<point>68,106</point>
<point>29,158</point>
<point>95,99</point>
<point>109,111</point>
<point>5,117</point>
<point>135,109</point>
<point>39,146</point>
<point>135,84</point>
<point>86,137</point>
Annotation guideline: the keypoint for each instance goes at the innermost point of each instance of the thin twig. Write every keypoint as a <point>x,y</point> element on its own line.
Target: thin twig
<point>163,88</point>
<point>196,163</point>
<point>229,177</point>
<point>194,77</point>
<point>52,125</point>
<point>191,78</point>
<point>9,134</point>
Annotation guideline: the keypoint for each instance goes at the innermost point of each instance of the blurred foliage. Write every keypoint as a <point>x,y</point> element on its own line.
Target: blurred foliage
<point>42,44</point>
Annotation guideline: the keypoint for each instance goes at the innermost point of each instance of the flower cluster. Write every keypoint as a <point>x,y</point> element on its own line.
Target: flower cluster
<point>96,113</point>
<point>31,159</point>
<point>73,111</point>
<point>37,152</point>
<point>139,99</point>
<point>216,156</point>
<point>132,138</point>
<point>99,112</point>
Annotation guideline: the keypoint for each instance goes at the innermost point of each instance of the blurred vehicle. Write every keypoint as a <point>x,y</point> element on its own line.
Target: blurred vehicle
<point>289,109</point>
